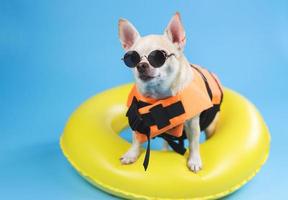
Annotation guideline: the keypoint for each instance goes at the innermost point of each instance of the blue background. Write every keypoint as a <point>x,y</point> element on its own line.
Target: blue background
<point>56,54</point>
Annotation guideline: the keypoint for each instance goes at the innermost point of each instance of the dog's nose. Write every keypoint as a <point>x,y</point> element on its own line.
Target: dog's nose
<point>142,67</point>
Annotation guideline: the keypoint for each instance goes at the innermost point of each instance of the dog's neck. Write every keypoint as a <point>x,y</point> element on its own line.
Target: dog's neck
<point>163,89</point>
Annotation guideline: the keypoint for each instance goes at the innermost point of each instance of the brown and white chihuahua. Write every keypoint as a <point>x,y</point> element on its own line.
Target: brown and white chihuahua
<point>165,81</point>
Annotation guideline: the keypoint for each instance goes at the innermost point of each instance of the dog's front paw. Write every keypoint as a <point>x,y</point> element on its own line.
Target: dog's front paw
<point>194,163</point>
<point>130,156</point>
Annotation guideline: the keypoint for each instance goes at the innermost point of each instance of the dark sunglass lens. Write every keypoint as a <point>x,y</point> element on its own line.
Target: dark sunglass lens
<point>131,58</point>
<point>157,58</point>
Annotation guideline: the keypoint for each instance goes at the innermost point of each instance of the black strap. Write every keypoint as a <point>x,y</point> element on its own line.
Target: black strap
<point>177,147</point>
<point>218,86</point>
<point>147,154</point>
<point>158,116</point>
<point>205,81</point>
<point>137,123</point>
<point>207,116</point>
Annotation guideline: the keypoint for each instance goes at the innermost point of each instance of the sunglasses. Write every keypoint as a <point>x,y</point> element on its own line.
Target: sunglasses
<point>156,58</point>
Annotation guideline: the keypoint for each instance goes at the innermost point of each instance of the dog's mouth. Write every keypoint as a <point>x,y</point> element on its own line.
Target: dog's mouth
<point>146,77</point>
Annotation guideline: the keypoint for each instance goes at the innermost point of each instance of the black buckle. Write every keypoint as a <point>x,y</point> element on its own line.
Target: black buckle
<point>135,119</point>
<point>160,116</point>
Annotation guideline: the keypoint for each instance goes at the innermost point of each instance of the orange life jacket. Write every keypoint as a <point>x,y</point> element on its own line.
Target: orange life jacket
<point>150,117</point>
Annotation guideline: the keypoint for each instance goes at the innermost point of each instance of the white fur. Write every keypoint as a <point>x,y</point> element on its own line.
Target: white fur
<point>168,80</point>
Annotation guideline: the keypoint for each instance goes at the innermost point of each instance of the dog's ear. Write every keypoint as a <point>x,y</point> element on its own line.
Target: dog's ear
<point>175,32</point>
<point>127,33</point>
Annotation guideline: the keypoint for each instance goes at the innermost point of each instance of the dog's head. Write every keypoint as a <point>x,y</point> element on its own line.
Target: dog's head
<point>154,59</point>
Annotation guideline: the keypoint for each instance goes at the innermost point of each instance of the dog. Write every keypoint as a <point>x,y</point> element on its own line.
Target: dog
<point>165,81</point>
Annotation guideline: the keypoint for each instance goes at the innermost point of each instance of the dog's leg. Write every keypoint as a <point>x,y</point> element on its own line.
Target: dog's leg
<point>209,131</point>
<point>192,129</point>
<point>133,153</point>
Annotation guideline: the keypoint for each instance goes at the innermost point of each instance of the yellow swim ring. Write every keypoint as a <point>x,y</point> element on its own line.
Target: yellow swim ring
<point>231,157</point>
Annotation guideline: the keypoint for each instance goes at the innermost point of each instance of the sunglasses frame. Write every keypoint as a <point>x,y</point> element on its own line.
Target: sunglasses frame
<point>166,55</point>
